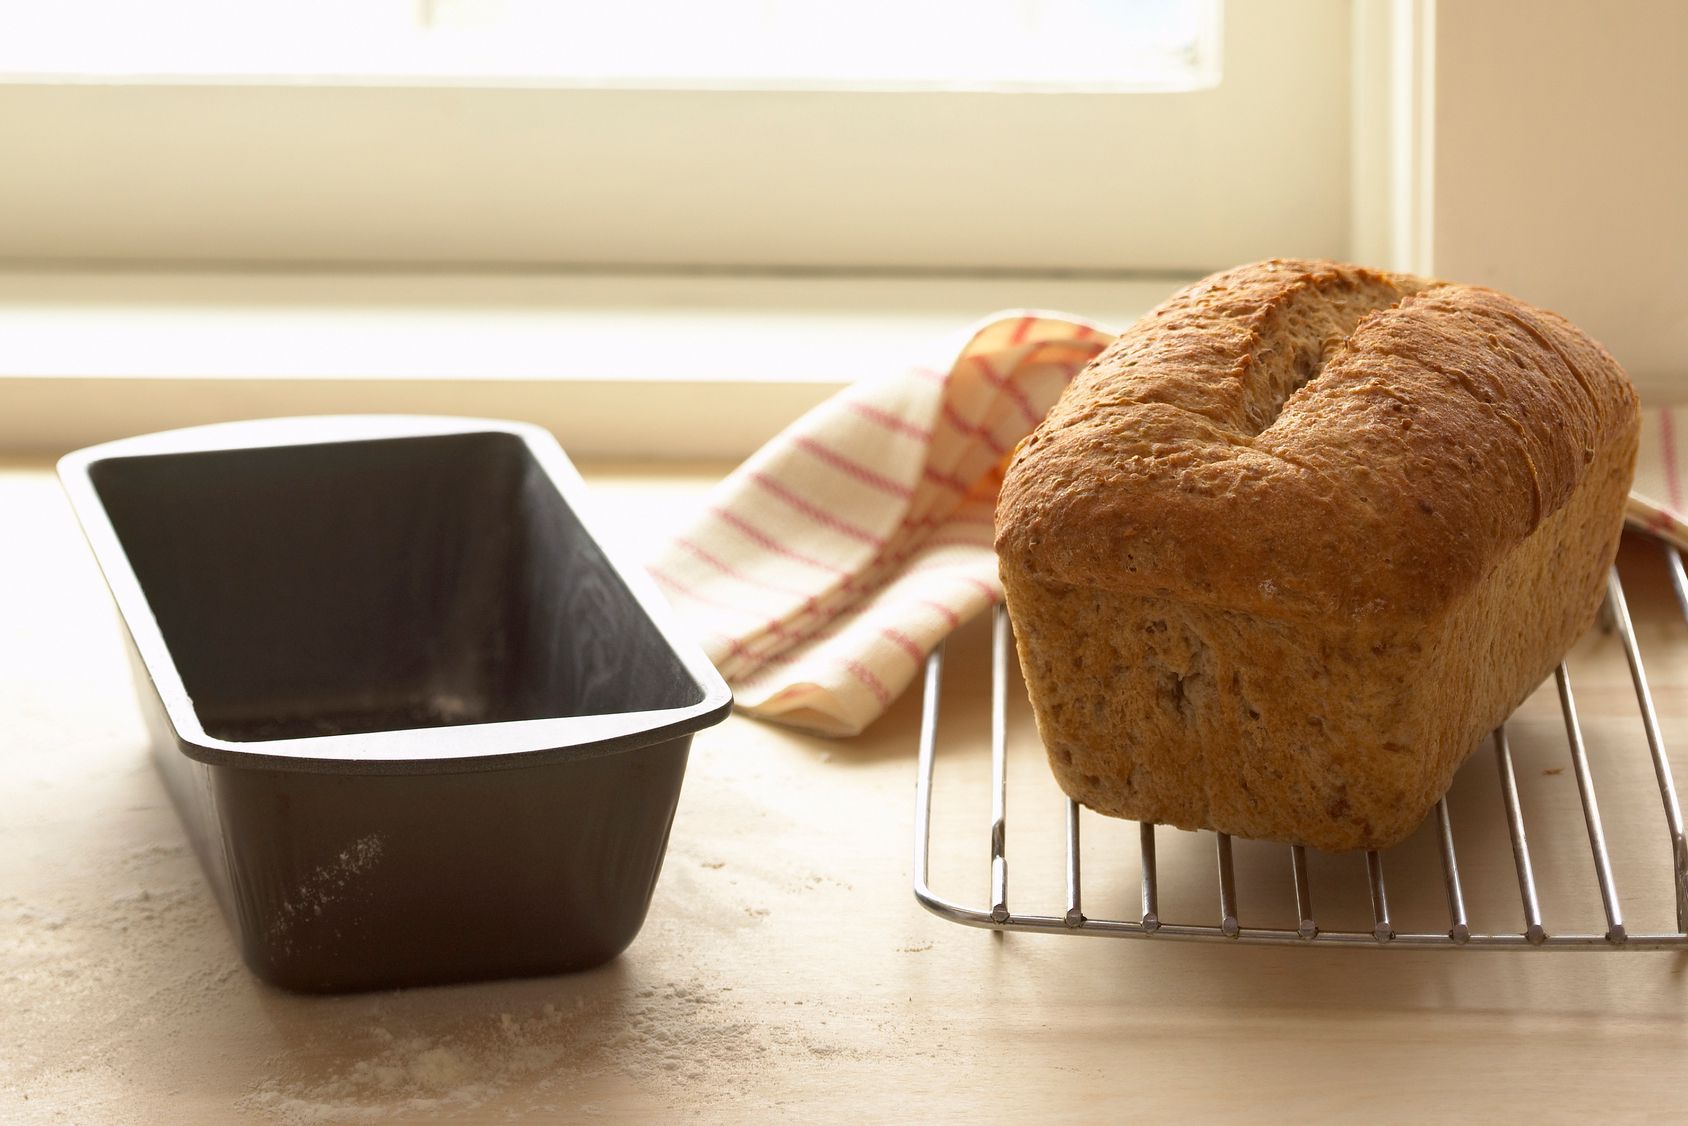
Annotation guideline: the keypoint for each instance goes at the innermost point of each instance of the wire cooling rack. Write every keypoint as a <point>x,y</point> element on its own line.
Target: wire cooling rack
<point>1226,926</point>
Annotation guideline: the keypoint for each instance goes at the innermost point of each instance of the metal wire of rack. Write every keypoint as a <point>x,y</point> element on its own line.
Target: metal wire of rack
<point>1533,934</point>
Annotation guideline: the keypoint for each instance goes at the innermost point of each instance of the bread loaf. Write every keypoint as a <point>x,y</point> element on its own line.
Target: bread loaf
<point>1283,554</point>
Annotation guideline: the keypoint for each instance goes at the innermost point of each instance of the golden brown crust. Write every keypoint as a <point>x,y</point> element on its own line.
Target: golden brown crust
<point>1435,434</point>
<point>1283,554</point>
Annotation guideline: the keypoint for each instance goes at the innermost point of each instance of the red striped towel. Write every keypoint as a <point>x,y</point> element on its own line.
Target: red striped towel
<point>825,569</point>
<point>827,566</point>
<point>1657,502</point>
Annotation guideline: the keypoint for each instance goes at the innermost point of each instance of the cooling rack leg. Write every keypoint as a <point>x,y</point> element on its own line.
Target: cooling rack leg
<point>1151,893</point>
<point>1305,927</point>
<point>1678,577</point>
<point>999,765</point>
<point>1459,929</point>
<point>1075,906</point>
<point>923,776</point>
<point>1382,929</point>
<point>1534,932</point>
<point>1228,924</point>
<point>1618,606</point>
<point>1591,809</point>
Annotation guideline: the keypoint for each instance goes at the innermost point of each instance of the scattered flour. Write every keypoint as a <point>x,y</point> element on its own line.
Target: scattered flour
<point>409,1073</point>
<point>120,986</point>
<point>142,856</point>
<point>100,973</point>
<point>663,1038</point>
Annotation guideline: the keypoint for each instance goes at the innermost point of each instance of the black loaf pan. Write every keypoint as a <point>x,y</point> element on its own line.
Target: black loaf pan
<point>419,725</point>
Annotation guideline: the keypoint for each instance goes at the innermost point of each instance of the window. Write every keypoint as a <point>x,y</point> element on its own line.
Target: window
<point>505,207</point>
<point>181,160</point>
<point>998,45</point>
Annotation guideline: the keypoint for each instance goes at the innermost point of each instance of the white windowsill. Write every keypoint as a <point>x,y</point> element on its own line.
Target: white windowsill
<point>617,365</point>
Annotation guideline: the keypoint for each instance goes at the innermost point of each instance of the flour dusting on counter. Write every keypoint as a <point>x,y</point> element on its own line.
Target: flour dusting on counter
<point>660,1037</point>
<point>70,954</point>
<point>398,1074</point>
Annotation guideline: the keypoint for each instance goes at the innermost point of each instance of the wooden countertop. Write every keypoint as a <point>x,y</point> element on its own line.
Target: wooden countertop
<point>785,968</point>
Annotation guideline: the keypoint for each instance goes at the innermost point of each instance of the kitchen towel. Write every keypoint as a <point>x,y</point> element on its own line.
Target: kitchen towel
<point>1656,502</point>
<point>823,571</point>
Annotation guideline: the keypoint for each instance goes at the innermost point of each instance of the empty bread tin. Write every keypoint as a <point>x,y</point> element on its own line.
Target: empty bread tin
<point>420,726</point>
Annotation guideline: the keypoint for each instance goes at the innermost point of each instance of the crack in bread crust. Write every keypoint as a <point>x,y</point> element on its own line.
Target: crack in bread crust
<point>1298,631</point>
<point>1144,476</point>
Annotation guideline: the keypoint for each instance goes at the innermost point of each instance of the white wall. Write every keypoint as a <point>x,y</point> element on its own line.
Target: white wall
<point>1561,167</point>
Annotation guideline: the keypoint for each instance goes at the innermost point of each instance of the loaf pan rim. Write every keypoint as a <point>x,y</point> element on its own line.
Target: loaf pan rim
<point>500,745</point>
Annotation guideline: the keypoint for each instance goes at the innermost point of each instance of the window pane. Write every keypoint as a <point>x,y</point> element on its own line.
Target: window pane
<point>684,44</point>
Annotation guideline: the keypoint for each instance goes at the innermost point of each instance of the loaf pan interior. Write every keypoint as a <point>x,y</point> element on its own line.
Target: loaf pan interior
<point>393,584</point>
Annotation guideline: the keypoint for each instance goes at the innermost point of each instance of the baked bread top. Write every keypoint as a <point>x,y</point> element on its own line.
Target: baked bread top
<point>1300,439</point>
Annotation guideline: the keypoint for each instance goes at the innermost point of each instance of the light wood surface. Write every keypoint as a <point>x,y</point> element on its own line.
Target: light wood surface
<point>785,970</point>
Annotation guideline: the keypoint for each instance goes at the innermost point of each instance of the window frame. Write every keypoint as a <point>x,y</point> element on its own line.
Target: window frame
<point>617,366</point>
